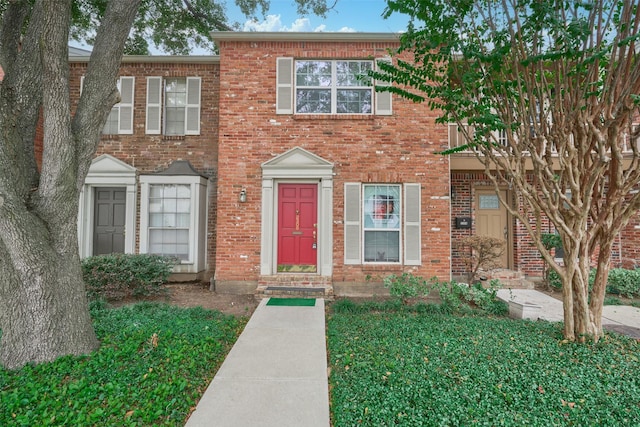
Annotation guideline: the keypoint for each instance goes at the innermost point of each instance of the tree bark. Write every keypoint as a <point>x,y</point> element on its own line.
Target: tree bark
<point>44,312</point>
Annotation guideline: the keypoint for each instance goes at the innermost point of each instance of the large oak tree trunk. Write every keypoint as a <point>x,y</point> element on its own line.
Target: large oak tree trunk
<point>43,306</point>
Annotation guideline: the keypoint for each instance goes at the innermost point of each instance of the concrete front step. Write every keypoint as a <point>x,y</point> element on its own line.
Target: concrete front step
<point>294,286</point>
<point>508,278</point>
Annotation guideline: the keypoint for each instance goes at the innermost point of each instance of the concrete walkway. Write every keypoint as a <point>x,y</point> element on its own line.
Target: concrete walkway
<point>535,305</point>
<point>275,374</point>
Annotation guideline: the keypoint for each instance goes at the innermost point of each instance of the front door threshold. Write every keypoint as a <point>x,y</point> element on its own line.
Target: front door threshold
<point>299,268</point>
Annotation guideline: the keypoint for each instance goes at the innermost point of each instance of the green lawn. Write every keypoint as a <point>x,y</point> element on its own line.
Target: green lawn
<point>154,364</point>
<point>388,367</point>
<point>408,369</point>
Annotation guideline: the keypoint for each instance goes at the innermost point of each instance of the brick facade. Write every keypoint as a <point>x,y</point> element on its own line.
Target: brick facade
<point>154,153</point>
<point>240,130</point>
<point>369,149</point>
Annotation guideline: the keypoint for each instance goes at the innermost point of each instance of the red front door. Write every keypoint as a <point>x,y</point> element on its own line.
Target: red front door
<point>297,227</point>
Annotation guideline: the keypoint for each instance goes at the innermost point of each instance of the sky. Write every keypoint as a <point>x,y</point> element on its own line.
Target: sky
<point>346,16</point>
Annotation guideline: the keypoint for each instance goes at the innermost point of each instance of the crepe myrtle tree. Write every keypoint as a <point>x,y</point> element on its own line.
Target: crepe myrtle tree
<point>43,308</point>
<point>545,93</point>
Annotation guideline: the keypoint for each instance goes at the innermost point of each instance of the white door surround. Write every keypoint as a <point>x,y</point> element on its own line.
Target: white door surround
<point>106,171</point>
<point>300,166</point>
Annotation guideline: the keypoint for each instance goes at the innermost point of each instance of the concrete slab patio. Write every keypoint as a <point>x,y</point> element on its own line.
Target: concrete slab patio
<point>275,374</point>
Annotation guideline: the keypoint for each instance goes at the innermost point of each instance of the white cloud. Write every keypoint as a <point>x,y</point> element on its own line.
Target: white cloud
<point>274,23</point>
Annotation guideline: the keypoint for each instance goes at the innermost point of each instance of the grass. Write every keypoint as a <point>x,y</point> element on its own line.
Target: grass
<point>434,369</point>
<point>153,366</point>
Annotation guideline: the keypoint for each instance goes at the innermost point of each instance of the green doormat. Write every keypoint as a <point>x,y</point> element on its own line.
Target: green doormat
<point>292,302</point>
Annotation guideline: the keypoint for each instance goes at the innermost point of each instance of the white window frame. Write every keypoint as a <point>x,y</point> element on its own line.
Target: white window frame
<point>286,88</point>
<point>197,220</point>
<point>334,87</point>
<point>368,207</point>
<point>155,123</point>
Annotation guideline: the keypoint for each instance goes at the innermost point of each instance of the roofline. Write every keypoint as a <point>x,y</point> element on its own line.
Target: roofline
<point>345,37</point>
<point>170,59</point>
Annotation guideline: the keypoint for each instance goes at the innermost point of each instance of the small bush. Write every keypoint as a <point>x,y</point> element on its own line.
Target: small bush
<point>480,253</point>
<point>406,286</point>
<point>456,297</point>
<point>118,276</point>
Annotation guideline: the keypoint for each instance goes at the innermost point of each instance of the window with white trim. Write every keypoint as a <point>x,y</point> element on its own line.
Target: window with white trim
<point>169,220</point>
<point>323,86</point>
<point>120,119</point>
<point>173,217</point>
<point>382,223</point>
<point>173,105</point>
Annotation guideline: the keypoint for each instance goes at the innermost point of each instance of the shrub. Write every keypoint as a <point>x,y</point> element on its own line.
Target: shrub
<point>117,276</point>
<point>624,282</point>
<point>482,253</point>
<point>406,286</point>
<point>620,281</point>
<point>456,297</point>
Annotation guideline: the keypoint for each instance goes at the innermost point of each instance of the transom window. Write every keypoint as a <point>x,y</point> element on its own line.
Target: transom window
<point>333,87</point>
<point>169,220</point>
<point>381,219</point>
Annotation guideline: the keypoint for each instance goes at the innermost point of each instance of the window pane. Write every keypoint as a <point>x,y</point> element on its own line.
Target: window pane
<point>170,190</point>
<point>354,101</point>
<point>155,191</point>
<point>175,102</point>
<point>183,205</point>
<point>183,220</point>
<point>183,191</point>
<point>353,73</point>
<point>381,207</point>
<point>489,201</point>
<point>382,246</point>
<point>170,218</point>
<point>111,126</point>
<point>155,205</point>
<point>313,73</point>
<point>155,220</point>
<point>174,121</point>
<point>310,101</point>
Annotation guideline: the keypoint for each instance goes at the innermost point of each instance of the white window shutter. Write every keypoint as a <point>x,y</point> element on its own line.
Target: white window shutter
<point>352,229</point>
<point>192,112</point>
<point>412,231</point>
<point>154,106</point>
<point>383,99</point>
<point>125,119</point>
<point>81,84</point>
<point>284,86</point>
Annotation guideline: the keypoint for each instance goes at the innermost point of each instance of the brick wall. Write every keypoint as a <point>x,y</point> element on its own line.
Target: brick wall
<point>153,153</point>
<point>378,149</point>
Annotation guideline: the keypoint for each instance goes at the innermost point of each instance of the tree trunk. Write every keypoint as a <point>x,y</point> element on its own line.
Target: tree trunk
<point>579,322</point>
<point>43,305</point>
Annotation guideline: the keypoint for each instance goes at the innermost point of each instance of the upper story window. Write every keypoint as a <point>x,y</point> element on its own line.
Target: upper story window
<point>333,87</point>
<point>173,105</point>
<point>329,87</point>
<point>120,119</point>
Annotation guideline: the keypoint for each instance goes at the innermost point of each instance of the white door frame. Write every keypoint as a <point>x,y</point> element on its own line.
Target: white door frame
<point>300,166</point>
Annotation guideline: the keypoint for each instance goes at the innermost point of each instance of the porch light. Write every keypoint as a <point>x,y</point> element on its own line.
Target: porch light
<point>243,196</point>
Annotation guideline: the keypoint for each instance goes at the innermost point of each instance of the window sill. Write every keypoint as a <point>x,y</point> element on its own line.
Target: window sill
<point>334,116</point>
